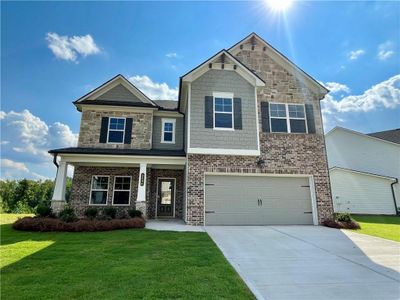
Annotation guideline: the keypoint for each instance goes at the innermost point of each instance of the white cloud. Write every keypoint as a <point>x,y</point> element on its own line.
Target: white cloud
<point>385,94</point>
<point>172,55</point>
<point>353,55</point>
<point>68,48</point>
<point>154,90</point>
<point>30,138</point>
<point>385,50</point>
<point>335,87</point>
<point>10,164</point>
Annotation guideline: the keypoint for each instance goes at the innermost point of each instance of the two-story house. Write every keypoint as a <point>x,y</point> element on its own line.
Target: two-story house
<point>243,145</point>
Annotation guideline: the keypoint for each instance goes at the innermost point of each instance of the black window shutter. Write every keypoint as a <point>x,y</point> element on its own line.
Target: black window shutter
<point>128,130</point>
<point>310,118</point>
<point>265,117</point>
<point>208,112</point>
<point>237,109</point>
<point>103,130</point>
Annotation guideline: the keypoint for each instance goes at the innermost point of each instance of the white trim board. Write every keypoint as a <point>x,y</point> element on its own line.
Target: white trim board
<point>243,152</point>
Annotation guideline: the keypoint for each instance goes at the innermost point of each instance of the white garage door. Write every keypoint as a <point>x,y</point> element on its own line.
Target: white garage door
<point>257,200</point>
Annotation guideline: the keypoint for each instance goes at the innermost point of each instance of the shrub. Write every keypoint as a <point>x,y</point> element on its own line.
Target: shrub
<point>110,212</point>
<point>51,224</point>
<point>343,217</point>
<point>135,213</point>
<point>43,210</point>
<point>341,225</point>
<point>67,214</point>
<point>91,212</point>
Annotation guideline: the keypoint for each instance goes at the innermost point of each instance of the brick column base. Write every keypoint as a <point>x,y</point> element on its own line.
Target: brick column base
<point>141,205</point>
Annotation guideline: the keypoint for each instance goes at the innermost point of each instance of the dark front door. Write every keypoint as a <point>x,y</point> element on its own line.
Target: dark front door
<point>165,197</point>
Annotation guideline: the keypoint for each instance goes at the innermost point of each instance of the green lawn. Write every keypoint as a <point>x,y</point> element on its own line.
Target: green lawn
<point>387,227</point>
<point>123,264</point>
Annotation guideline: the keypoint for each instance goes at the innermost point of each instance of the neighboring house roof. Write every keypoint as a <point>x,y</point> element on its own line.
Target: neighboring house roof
<point>364,173</point>
<point>107,151</point>
<point>112,83</point>
<point>167,104</point>
<point>286,62</point>
<point>362,134</point>
<point>387,135</point>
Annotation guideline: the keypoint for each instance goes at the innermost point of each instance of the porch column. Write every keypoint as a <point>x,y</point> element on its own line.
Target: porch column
<point>58,200</point>
<point>141,193</point>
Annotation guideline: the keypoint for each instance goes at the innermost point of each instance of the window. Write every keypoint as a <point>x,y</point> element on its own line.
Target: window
<point>223,111</point>
<point>168,131</point>
<point>122,190</point>
<point>99,190</point>
<point>287,118</point>
<point>116,130</point>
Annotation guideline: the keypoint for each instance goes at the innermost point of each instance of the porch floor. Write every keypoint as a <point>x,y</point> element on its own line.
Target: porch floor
<point>172,225</point>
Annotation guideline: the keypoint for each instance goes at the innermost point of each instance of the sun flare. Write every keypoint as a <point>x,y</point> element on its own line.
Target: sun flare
<point>279,5</point>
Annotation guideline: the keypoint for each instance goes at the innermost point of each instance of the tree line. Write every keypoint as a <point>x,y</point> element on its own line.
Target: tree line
<point>23,196</point>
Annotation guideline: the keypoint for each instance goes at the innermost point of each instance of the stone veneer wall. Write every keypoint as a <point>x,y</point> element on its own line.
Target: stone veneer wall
<point>166,173</point>
<point>89,133</point>
<point>283,153</point>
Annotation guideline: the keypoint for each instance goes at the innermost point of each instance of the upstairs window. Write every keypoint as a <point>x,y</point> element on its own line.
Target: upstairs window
<point>168,131</point>
<point>122,190</point>
<point>223,111</point>
<point>116,130</point>
<point>287,118</point>
<point>99,190</point>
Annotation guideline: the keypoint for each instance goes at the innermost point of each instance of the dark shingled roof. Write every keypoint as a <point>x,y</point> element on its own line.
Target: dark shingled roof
<point>388,135</point>
<point>167,104</point>
<point>107,151</point>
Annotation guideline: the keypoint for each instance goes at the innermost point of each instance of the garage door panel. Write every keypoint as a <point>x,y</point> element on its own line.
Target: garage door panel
<point>233,200</point>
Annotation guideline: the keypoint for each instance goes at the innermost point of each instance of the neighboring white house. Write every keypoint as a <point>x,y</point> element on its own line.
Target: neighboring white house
<point>364,170</point>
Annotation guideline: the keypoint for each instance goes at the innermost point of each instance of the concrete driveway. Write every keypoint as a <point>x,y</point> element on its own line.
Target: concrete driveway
<point>311,262</point>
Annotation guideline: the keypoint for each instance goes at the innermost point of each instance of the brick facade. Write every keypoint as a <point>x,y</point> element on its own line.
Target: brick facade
<point>89,133</point>
<point>80,193</point>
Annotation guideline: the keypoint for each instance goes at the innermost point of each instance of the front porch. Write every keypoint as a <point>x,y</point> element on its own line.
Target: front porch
<point>153,185</point>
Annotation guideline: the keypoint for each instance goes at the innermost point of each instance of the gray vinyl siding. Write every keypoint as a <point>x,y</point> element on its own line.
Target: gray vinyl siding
<point>229,82</point>
<point>157,134</point>
<point>119,93</point>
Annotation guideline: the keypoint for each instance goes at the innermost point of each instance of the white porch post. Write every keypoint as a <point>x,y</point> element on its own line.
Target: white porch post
<point>58,200</point>
<point>141,193</point>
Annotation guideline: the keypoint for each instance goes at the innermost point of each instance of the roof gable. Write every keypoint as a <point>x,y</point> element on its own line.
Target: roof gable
<point>117,89</point>
<point>255,42</point>
<point>223,60</point>
<point>387,135</point>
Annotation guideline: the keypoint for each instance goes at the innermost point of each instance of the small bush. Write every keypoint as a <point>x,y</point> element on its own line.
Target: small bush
<point>341,225</point>
<point>43,210</point>
<point>91,212</point>
<point>343,217</point>
<point>51,224</point>
<point>135,213</point>
<point>110,212</point>
<point>67,214</point>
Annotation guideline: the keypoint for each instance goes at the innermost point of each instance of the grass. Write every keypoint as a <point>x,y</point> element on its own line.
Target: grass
<point>387,227</point>
<point>118,264</point>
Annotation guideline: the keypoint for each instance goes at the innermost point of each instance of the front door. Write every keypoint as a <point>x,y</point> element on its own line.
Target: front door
<point>166,197</point>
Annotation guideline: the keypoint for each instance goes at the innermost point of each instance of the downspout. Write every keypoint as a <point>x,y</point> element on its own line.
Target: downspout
<point>394,195</point>
<point>55,160</point>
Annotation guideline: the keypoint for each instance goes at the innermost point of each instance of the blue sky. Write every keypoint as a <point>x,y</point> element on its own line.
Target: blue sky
<point>52,53</point>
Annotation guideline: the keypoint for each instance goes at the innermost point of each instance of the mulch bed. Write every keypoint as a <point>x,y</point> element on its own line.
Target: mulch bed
<point>53,224</point>
<point>341,225</point>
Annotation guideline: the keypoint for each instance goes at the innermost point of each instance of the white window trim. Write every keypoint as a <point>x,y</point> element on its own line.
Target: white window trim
<point>223,95</point>
<point>130,188</point>
<point>288,118</point>
<point>123,130</point>
<point>163,121</point>
<point>98,190</point>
